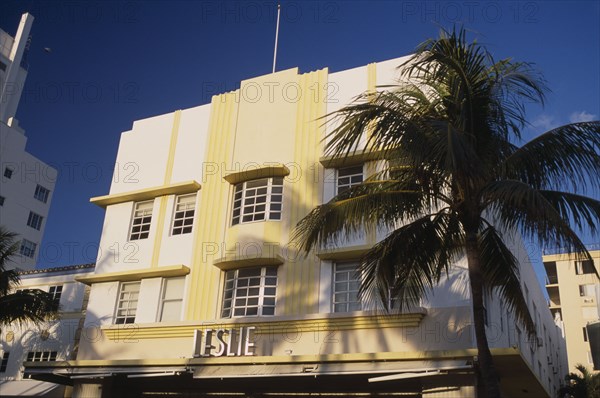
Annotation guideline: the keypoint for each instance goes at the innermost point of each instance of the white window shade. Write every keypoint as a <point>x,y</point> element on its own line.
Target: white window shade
<point>172,299</point>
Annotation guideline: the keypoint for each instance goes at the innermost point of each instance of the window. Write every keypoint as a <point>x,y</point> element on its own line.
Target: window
<point>585,335</point>
<point>4,361</point>
<point>171,299</point>
<point>27,248</point>
<point>257,200</point>
<point>584,267</point>
<point>249,292</point>
<point>127,302</point>
<point>348,177</point>
<point>346,282</point>
<point>2,198</point>
<point>35,220</point>
<point>8,172</point>
<point>587,290</point>
<point>590,357</point>
<point>142,217</point>
<point>41,193</point>
<point>56,292</point>
<point>41,356</point>
<point>183,219</point>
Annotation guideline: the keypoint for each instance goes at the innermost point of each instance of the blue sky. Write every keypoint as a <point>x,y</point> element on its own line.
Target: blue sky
<point>111,63</point>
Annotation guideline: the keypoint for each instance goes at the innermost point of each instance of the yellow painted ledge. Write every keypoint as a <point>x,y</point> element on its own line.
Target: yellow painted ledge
<point>344,253</point>
<point>350,159</point>
<point>227,263</point>
<point>468,353</point>
<point>270,170</point>
<point>179,188</point>
<point>324,324</point>
<point>136,275</point>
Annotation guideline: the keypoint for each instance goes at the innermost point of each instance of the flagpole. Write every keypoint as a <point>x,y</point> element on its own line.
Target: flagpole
<point>276,37</point>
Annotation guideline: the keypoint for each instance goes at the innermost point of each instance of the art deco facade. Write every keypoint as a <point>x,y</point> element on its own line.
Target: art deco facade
<point>197,291</point>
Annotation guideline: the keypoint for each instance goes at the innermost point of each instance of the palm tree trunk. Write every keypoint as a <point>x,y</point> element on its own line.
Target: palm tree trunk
<point>486,363</point>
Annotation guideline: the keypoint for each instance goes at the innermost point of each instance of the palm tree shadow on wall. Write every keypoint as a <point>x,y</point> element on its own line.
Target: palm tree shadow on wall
<point>457,173</point>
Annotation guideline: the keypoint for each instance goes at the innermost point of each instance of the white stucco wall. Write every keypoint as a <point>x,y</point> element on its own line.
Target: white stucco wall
<point>18,191</point>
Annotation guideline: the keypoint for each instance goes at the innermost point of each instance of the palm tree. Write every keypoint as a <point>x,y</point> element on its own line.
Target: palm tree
<point>31,305</point>
<point>585,386</point>
<point>455,181</point>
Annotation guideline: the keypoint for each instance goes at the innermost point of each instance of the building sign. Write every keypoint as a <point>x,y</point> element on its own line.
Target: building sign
<point>224,342</point>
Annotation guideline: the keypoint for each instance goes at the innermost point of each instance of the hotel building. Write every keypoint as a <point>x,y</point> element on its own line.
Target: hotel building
<point>55,340</point>
<point>198,292</point>
<point>573,284</point>
<point>26,183</point>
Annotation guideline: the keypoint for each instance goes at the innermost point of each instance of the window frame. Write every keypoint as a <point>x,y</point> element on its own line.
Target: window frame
<point>4,361</point>
<point>583,290</point>
<point>42,356</point>
<point>142,233</point>
<point>350,182</point>
<point>229,305</point>
<point>126,300</point>
<point>334,282</point>
<point>163,300</point>
<point>56,292</point>
<point>185,216</point>
<point>584,267</point>
<point>274,187</point>
<point>27,248</point>
<point>41,193</point>
<point>35,220</point>
<point>8,172</point>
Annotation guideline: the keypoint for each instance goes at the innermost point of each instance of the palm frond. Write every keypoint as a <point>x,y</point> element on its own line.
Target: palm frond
<point>567,157</point>
<point>357,209</point>
<point>398,269</point>
<point>31,305</point>
<point>501,272</point>
<point>520,207</point>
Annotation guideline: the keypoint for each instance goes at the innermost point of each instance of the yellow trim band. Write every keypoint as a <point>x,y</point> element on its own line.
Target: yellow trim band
<point>135,275</point>
<point>278,170</point>
<point>179,188</point>
<point>143,332</point>
<point>344,253</point>
<point>227,263</point>
<point>283,359</point>
<point>354,158</point>
<point>172,147</point>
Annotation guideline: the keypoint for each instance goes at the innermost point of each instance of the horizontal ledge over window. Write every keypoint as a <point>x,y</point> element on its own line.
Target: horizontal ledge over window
<point>343,253</point>
<point>272,170</point>
<point>351,159</point>
<point>136,275</point>
<point>178,188</point>
<point>228,263</point>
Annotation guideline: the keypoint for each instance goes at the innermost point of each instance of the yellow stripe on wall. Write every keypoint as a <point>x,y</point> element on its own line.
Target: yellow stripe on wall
<point>210,219</point>
<point>370,167</point>
<point>302,273</point>
<point>162,210</point>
